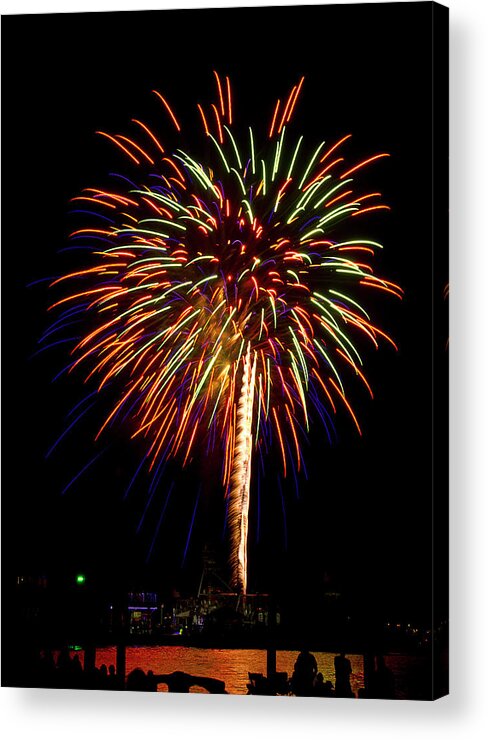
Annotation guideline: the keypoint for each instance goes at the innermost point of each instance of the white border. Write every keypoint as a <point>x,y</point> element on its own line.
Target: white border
<point>38,713</point>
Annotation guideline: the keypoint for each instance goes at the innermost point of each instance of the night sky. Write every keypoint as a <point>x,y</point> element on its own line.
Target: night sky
<point>363,520</point>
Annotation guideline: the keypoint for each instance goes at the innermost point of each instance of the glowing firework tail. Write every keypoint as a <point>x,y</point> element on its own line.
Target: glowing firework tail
<point>238,511</point>
<point>224,294</point>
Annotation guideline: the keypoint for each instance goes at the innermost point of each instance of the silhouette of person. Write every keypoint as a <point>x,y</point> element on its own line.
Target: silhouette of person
<point>321,688</point>
<point>318,684</point>
<point>328,689</point>
<point>152,684</point>
<point>305,670</point>
<point>113,682</point>
<point>47,669</point>
<point>103,675</point>
<point>343,672</point>
<point>384,683</point>
<point>136,680</point>
<point>76,671</point>
<point>64,661</point>
<point>63,669</point>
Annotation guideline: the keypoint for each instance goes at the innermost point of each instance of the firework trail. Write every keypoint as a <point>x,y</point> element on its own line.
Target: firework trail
<point>221,298</point>
<point>238,511</point>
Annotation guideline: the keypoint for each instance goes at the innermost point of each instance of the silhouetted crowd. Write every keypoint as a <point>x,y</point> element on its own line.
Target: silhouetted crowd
<point>67,672</point>
<point>306,680</point>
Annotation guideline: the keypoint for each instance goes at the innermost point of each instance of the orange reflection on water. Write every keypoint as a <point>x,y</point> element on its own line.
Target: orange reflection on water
<point>230,666</point>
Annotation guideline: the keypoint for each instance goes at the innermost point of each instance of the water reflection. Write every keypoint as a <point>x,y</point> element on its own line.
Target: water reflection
<point>231,666</point>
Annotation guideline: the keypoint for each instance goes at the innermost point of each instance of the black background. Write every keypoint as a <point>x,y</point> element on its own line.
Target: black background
<point>364,517</point>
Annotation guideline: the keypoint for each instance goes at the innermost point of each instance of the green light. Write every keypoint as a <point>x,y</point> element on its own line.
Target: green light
<point>80,579</point>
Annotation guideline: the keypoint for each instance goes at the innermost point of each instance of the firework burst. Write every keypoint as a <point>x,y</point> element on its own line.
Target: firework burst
<point>220,300</point>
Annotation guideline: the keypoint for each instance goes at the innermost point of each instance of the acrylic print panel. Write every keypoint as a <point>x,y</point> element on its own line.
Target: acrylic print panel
<point>226,280</point>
